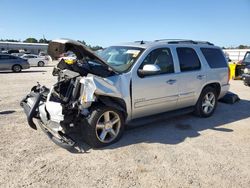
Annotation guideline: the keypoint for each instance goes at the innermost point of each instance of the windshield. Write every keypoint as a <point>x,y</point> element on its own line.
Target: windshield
<point>120,58</point>
<point>247,58</point>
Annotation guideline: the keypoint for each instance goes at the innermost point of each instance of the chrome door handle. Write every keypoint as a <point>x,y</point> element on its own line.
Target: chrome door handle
<point>200,77</point>
<point>171,81</point>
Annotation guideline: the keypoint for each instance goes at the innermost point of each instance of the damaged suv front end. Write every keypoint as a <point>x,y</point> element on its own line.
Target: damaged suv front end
<point>90,95</point>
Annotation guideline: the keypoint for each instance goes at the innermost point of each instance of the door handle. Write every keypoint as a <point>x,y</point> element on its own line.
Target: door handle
<point>171,81</point>
<point>200,77</point>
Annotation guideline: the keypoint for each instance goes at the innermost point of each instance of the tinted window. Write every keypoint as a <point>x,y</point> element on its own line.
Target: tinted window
<point>7,57</point>
<point>214,57</point>
<point>188,59</point>
<point>161,57</point>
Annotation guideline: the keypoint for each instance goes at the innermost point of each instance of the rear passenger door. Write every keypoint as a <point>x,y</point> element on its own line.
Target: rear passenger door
<point>192,76</point>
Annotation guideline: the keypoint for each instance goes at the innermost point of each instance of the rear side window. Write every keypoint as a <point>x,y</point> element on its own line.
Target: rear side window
<point>188,59</point>
<point>215,58</point>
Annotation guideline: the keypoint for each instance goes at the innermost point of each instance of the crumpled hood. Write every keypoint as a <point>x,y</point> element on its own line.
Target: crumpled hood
<point>60,46</point>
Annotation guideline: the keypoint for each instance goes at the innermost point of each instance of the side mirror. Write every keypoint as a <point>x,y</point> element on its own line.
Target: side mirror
<point>149,70</point>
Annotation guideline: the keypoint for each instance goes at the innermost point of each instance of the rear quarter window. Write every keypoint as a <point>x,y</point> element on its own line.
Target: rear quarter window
<point>214,57</point>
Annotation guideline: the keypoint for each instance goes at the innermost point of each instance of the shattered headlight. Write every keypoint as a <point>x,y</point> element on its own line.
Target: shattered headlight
<point>87,95</point>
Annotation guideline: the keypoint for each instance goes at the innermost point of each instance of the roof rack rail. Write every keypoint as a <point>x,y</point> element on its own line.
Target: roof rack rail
<point>177,41</point>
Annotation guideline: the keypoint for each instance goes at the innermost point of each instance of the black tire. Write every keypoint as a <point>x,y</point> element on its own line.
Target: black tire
<point>40,64</point>
<point>200,109</point>
<point>16,68</point>
<point>90,131</point>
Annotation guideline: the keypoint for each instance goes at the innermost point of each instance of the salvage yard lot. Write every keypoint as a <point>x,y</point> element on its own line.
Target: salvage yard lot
<point>185,151</point>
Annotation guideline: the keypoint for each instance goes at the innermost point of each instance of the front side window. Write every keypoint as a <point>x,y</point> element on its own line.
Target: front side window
<point>161,57</point>
<point>214,57</point>
<point>188,59</point>
<point>120,58</point>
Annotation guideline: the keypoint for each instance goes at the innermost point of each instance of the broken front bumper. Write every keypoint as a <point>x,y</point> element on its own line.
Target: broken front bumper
<point>30,105</point>
<point>34,105</point>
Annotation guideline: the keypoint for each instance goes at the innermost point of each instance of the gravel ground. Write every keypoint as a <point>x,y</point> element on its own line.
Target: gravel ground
<point>180,152</point>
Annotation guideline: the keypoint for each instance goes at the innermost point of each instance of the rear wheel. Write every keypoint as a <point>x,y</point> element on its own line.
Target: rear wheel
<point>207,102</point>
<point>40,64</point>
<point>105,126</point>
<point>16,68</point>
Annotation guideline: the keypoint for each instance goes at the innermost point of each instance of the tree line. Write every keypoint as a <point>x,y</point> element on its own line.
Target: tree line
<point>34,40</point>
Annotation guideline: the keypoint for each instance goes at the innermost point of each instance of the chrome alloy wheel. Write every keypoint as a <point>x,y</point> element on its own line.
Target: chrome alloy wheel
<point>208,103</point>
<point>108,126</point>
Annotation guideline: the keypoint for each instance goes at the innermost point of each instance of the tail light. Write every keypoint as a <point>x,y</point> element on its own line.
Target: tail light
<point>229,75</point>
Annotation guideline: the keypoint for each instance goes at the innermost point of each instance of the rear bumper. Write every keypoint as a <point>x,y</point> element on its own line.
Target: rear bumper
<point>26,65</point>
<point>224,90</point>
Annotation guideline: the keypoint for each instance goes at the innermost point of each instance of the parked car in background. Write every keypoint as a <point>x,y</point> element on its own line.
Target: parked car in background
<point>67,56</point>
<point>35,60</point>
<point>246,60</point>
<point>246,75</point>
<point>18,54</point>
<point>10,62</point>
<point>4,52</point>
<point>237,69</point>
<point>13,51</point>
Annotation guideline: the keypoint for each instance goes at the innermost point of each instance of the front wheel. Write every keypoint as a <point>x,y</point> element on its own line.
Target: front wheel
<point>207,102</point>
<point>40,64</point>
<point>103,127</point>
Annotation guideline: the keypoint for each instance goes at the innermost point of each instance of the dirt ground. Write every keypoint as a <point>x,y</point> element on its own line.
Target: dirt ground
<point>184,151</point>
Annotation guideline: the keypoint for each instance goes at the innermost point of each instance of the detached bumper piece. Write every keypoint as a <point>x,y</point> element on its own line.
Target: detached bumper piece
<point>230,98</point>
<point>59,139</point>
<point>30,104</point>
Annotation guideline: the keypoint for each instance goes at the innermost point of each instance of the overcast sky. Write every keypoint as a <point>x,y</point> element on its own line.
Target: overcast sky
<point>106,22</point>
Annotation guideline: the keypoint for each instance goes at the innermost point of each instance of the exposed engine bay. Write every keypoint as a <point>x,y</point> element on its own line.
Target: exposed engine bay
<point>81,85</point>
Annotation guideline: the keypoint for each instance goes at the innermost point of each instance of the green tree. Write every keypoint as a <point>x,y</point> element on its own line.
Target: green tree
<point>83,42</point>
<point>9,40</point>
<point>243,46</point>
<point>95,48</point>
<point>43,41</point>
<point>31,40</point>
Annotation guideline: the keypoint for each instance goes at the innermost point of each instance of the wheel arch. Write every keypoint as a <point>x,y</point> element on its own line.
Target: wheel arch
<point>114,102</point>
<point>215,85</point>
<point>17,64</point>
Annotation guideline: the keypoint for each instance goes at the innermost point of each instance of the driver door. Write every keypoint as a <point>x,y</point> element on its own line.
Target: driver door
<point>153,94</point>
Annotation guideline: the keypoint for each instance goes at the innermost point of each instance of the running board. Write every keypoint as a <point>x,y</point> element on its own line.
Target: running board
<point>159,117</point>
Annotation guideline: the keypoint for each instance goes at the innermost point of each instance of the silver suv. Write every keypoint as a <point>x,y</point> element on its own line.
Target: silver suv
<point>126,84</point>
